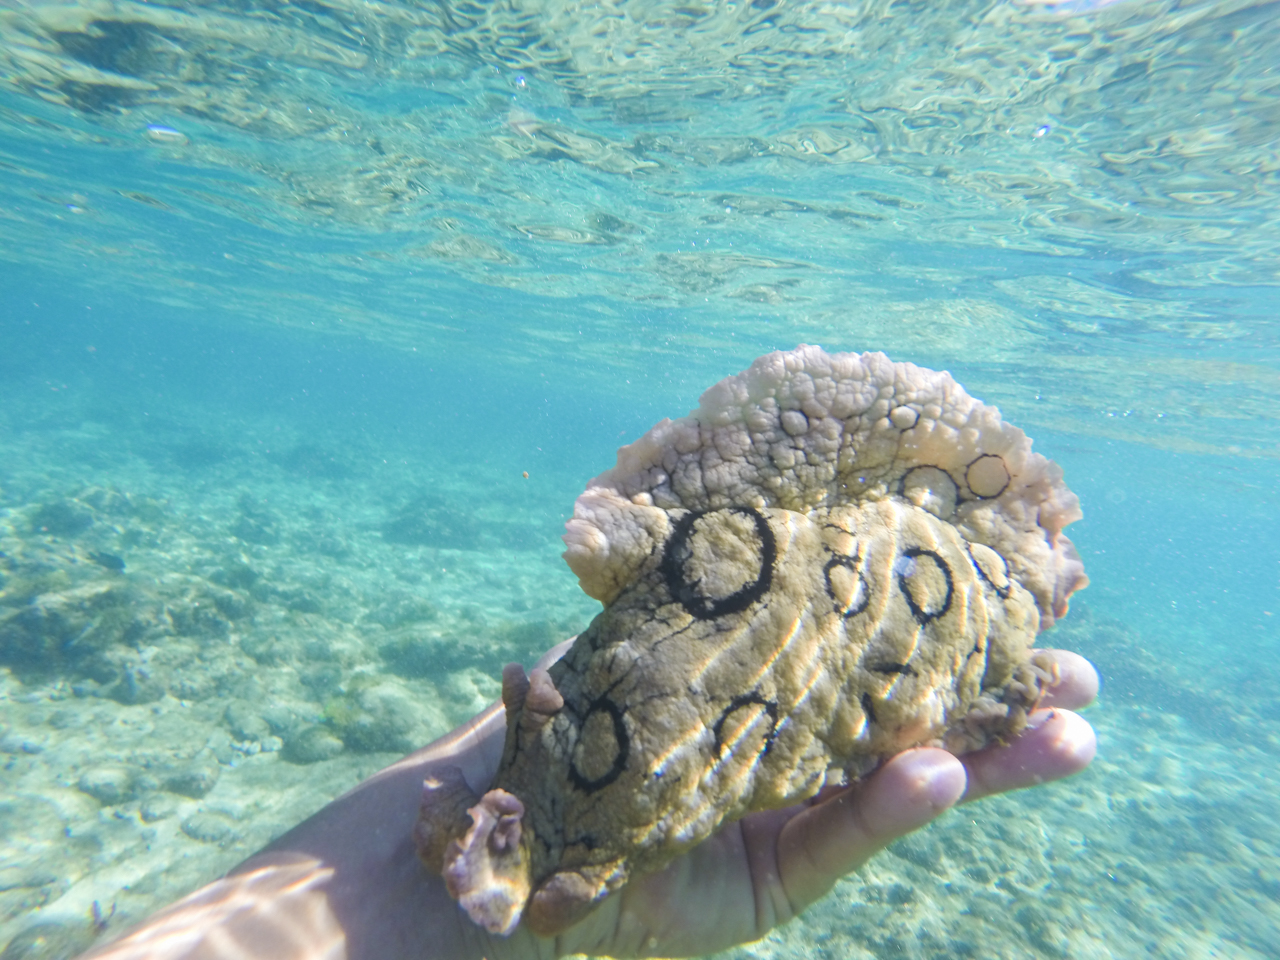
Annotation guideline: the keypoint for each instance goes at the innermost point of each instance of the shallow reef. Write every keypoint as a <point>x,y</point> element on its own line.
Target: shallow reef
<point>189,667</point>
<point>192,661</point>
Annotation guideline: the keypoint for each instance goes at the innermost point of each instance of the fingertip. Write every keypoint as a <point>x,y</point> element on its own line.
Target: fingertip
<point>1056,744</point>
<point>911,789</point>
<point>827,840</point>
<point>1078,682</point>
<point>1076,743</point>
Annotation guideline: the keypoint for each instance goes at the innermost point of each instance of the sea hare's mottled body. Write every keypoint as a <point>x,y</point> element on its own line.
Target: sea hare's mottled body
<point>834,558</point>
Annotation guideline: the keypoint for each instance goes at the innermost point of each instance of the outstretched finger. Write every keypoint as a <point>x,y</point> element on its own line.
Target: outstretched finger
<point>1057,743</point>
<point>1077,684</point>
<point>823,843</point>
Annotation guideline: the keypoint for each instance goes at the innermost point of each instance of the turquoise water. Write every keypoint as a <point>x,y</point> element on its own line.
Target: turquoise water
<point>294,295</point>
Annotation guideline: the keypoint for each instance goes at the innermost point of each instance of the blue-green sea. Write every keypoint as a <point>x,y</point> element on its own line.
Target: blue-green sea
<point>316,316</point>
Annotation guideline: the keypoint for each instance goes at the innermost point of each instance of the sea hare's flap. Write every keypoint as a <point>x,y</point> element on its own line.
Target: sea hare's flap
<point>804,428</point>
<point>487,871</point>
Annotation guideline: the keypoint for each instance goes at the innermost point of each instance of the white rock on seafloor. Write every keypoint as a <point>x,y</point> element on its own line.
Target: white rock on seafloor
<point>195,781</point>
<point>312,744</point>
<point>210,827</point>
<point>109,784</point>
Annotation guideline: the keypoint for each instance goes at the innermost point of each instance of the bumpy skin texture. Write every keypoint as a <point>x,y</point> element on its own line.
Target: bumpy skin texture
<point>833,559</point>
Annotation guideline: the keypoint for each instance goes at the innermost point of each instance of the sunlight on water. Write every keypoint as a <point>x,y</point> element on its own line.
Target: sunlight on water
<point>295,294</point>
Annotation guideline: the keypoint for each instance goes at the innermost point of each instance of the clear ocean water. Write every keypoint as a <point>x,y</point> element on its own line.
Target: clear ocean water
<point>293,295</point>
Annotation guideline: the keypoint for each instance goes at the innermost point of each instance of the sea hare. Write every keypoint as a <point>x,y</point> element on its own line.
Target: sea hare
<point>835,557</point>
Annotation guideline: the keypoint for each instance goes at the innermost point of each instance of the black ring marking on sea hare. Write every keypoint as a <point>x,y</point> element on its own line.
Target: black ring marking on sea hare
<point>850,564</point>
<point>587,840</point>
<point>926,616</point>
<point>906,668</point>
<point>743,700</point>
<point>902,481</point>
<point>677,552</point>
<point>1008,476</point>
<point>866,708</point>
<point>620,736</point>
<point>1002,593</point>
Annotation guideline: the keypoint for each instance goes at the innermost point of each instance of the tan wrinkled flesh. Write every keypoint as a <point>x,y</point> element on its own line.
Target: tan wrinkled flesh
<point>833,559</point>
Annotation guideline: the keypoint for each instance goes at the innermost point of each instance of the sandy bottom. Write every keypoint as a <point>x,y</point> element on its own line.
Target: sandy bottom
<point>202,641</point>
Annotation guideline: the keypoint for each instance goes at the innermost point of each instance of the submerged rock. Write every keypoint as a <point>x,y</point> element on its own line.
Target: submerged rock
<point>195,781</point>
<point>283,720</point>
<point>62,518</point>
<point>311,745</point>
<point>1043,931</point>
<point>63,719</point>
<point>236,573</point>
<point>47,941</point>
<point>256,524</point>
<point>13,743</point>
<point>135,686</point>
<point>25,878</point>
<point>272,650</point>
<point>108,561</point>
<point>400,609</point>
<point>413,653</point>
<point>157,807</point>
<point>198,612</point>
<point>109,784</point>
<point>430,521</point>
<point>376,719</point>
<point>107,501</point>
<point>62,627</point>
<point>210,827</point>
<point>244,722</point>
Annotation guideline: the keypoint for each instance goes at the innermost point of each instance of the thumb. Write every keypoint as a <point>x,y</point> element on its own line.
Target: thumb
<point>835,836</point>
